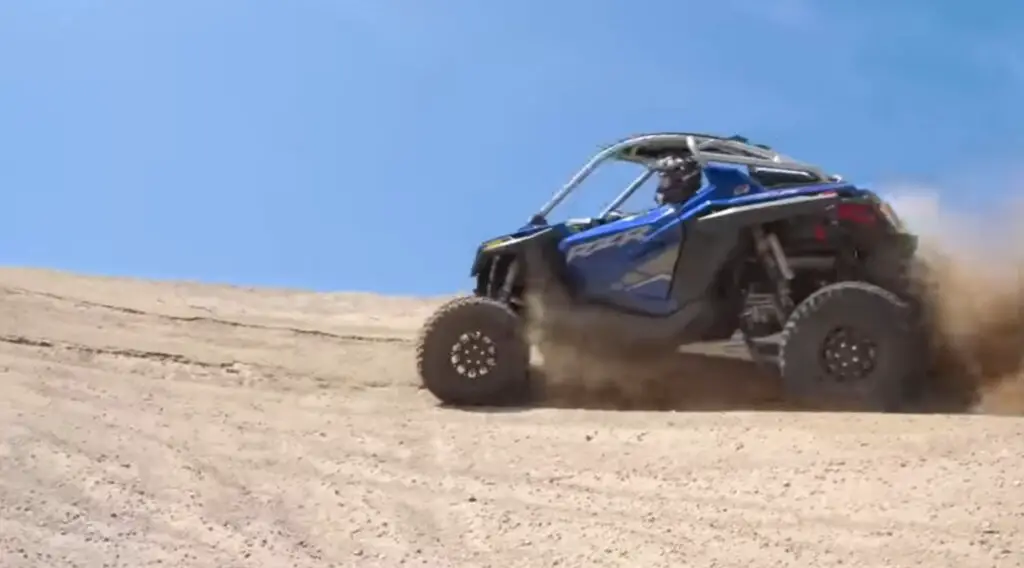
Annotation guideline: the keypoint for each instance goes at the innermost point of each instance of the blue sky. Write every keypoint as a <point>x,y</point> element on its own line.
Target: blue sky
<point>336,145</point>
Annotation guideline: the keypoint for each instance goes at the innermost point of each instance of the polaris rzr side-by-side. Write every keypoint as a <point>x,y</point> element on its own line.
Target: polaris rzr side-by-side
<point>741,239</point>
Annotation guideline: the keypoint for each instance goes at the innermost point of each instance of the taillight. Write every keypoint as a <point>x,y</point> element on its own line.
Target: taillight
<point>856,213</point>
<point>820,233</point>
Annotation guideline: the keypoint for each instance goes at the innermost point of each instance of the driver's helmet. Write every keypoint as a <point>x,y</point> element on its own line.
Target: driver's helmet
<point>678,183</point>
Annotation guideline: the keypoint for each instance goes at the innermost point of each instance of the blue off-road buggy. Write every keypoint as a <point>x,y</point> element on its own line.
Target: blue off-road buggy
<point>734,222</point>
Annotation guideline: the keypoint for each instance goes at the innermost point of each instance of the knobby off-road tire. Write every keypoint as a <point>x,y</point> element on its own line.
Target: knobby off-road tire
<point>473,352</point>
<point>911,278</point>
<point>852,344</point>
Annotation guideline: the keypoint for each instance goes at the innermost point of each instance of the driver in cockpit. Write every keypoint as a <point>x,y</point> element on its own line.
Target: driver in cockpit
<point>678,180</point>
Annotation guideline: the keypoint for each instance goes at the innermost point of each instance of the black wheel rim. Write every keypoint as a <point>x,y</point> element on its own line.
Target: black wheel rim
<point>474,355</point>
<point>848,356</point>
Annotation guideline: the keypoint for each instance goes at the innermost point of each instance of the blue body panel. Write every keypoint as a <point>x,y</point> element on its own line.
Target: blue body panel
<point>630,263</point>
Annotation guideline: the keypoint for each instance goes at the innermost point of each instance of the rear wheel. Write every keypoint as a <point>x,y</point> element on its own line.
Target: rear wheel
<point>473,352</point>
<point>851,343</point>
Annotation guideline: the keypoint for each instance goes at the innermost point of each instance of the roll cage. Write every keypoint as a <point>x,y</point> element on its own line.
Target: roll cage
<point>651,151</point>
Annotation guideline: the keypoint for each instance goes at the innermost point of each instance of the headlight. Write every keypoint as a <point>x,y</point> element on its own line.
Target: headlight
<point>493,243</point>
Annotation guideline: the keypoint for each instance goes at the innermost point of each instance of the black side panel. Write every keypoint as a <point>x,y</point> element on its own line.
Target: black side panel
<point>711,244</point>
<point>711,240</point>
<point>704,252</point>
<point>743,216</point>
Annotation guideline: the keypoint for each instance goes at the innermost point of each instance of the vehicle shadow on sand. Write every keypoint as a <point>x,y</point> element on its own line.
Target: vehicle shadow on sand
<point>683,381</point>
<point>695,382</point>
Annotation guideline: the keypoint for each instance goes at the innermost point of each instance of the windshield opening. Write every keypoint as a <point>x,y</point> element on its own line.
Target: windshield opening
<point>600,189</point>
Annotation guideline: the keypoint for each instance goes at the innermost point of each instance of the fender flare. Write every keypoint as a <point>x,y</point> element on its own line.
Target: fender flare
<point>503,246</point>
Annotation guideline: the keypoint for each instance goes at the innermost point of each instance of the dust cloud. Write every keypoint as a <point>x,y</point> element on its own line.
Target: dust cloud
<point>586,364</point>
<point>969,271</point>
<point>972,272</point>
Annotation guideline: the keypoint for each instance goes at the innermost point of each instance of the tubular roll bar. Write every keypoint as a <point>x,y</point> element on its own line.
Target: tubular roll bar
<point>702,147</point>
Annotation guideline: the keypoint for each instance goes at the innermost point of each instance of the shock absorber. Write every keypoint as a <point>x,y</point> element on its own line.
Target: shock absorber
<point>773,259</point>
<point>510,280</point>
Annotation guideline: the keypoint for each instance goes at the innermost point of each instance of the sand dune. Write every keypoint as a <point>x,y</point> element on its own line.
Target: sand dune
<point>173,424</point>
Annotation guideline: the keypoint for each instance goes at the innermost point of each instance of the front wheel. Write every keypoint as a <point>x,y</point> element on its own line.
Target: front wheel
<point>852,343</point>
<point>472,352</point>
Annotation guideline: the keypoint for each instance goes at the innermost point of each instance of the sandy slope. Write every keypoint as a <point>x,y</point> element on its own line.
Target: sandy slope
<point>150,424</point>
